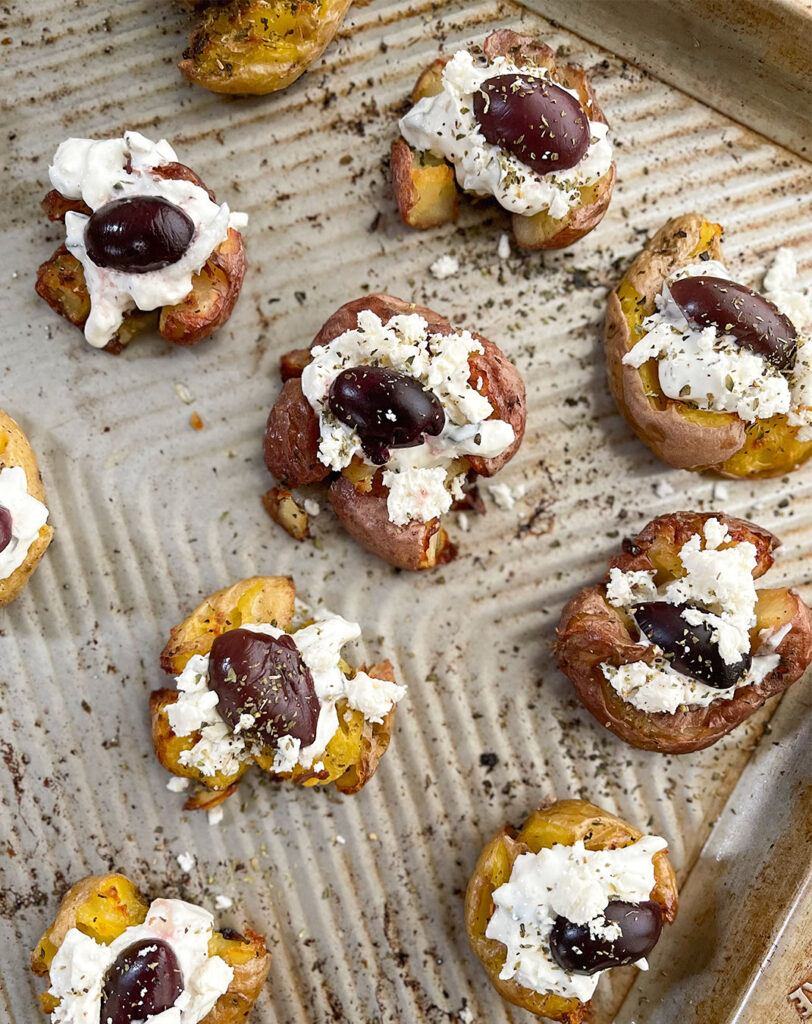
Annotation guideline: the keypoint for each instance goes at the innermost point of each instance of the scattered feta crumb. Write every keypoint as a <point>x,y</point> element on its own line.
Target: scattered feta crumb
<point>503,249</point>
<point>464,522</point>
<point>504,495</point>
<point>177,784</point>
<point>312,507</point>
<point>340,840</point>
<point>466,1014</point>
<point>216,814</point>
<point>186,861</point>
<point>183,393</point>
<point>445,266</point>
<point>663,489</point>
<point>223,902</point>
<point>721,491</point>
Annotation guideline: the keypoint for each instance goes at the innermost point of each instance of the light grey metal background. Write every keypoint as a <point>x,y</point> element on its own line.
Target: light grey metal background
<point>150,515</point>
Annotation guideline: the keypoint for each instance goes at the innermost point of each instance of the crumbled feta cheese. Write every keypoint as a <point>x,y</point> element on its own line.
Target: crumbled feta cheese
<point>287,754</point>
<point>186,861</point>
<point>216,815</point>
<point>445,266</point>
<point>663,489</point>
<point>503,249</point>
<point>312,507</point>
<point>222,902</point>
<point>177,784</point>
<point>414,493</point>
<point>504,495</point>
<point>374,698</point>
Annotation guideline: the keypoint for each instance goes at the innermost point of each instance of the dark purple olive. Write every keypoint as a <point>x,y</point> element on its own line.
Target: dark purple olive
<point>540,123</point>
<point>259,675</point>
<point>576,951</point>
<point>753,321</point>
<point>689,649</point>
<point>138,234</point>
<point>5,527</point>
<point>387,408</point>
<point>145,979</point>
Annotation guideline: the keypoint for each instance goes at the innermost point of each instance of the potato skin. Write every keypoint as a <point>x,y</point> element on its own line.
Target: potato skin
<point>15,450</point>
<point>291,443</point>
<point>422,185</point>
<point>591,632</point>
<point>254,47</point>
<point>565,821</point>
<point>250,965</point>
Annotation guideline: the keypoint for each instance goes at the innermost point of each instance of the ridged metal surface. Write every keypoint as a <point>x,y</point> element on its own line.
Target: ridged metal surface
<point>150,514</point>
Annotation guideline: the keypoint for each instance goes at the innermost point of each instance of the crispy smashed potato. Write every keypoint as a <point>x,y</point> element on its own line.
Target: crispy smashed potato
<point>565,821</point>
<point>358,495</point>
<point>259,46</point>
<point>16,451</point>
<point>215,288</point>
<point>680,434</point>
<point>285,510</point>
<point>352,755</point>
<point>103,906</point>
<point>425,186</point>
<point>592,632</point>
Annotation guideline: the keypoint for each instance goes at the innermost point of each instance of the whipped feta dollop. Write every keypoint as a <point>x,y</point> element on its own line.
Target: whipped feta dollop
<point>420,487</point>
<point>706,368</point>
<point>80,964</point>
<point>28,516</point>
<point>96,171</point>
<point>445,125</point>
<point>577,884</point>
<point>718,585</point>
<point>221,749</point>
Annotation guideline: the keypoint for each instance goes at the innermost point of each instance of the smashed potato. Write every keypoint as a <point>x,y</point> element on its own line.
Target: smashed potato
<point>425,186</point>
<point>593,632</point>
<point>679,433</point>
<point>15,450</point>
<point>566,822</point>
<point>104,906</point>
<point>358,495</point>
<point>350,758</point>
<point>259,46</point>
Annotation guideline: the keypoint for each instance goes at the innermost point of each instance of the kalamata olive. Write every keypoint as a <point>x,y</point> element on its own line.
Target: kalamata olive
<point>138,234</point>
<point>144,980</point>
<point>575,950</point>
<point>5,527</point>
<point>689,649</point>
<point>264,676</point>
<point>753,321</point>
<point>540,123</point>
<point>387,408</point>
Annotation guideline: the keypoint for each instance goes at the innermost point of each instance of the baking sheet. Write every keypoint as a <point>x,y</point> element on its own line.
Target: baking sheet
<point>360,898</point>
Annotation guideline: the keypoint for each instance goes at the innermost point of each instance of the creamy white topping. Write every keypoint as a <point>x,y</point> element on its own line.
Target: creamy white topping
<point>419,486</point>
<point>28,516</point>
<point>708,369</point>
<point>719,585</point>
<point>95,171</point>
<point>445,125</point>
<point>577,884</point>
<point>221,749</point>
<point>79,966</point>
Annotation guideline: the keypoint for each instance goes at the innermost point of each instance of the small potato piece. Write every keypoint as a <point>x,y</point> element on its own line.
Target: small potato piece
<point>566,822</point>
<point>15,450</point>
<point>283,508</point>
<point>425,187</point>
<point>259,46</point>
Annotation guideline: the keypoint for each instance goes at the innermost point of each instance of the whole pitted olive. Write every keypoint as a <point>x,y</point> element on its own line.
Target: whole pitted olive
<point>753,321</point>
<point>575,950</point>
<point>5,528</point>
<point>264,676</point>
<point>689,649</point>
<point>537,121</point>
<point>387,408</point>
<point>138,234</point>
<point>144,980</point>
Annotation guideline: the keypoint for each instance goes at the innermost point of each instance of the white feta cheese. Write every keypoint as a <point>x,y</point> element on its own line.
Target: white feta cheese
<point>414,493</point>
<point>28,517</point>
<point>373,697</point>
<point>222,902</point>
<point>186,861</point>
<point>445,266</point>
<point>215,815</point>
<point>503,249</point>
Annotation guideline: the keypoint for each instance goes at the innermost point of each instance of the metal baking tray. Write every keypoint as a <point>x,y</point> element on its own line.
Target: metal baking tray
<point>361,898</point>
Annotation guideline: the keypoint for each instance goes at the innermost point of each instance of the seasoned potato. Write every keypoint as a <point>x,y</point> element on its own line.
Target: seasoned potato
<point>104,906</point>
<point>358,495</point>
<point>567,822</point>
<point>681,435</point>
<point>16,451</point>
<point>259,46</point>
<point>425,185</point>
<point>352,755</point>
<point>592,632</point>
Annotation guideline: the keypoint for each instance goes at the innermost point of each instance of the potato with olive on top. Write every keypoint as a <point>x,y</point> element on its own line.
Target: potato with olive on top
<point>260,682</point>
<point>506,122</point>
<point>677,646</point>
<point>254,47</point>
<point>573,893</point>
<point>710,374</point>
<point>147,247</point>
<point>112,956</point>
<point>402,411</point>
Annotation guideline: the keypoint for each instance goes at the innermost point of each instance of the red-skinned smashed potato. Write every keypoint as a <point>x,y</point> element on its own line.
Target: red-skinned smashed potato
<point>358,495</point>
<point>215,288</point>
<point>425,186</point>
<point>592,632</point>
